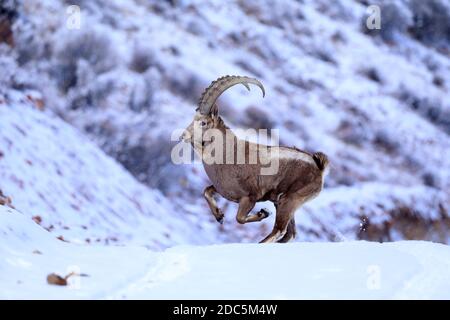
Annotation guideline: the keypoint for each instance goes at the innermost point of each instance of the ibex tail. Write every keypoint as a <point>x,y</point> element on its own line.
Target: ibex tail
<point>321,160</point>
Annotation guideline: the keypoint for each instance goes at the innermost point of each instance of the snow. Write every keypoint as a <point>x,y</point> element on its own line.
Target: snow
<point>378,201</point>
<point>313,59</point>
<point>55,174</point>
<point>346,270</point>
<point>24,271</point>
<point>379,109</point>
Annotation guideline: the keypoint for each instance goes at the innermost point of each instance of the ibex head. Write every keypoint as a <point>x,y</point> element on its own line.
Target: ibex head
<point>207,116</point>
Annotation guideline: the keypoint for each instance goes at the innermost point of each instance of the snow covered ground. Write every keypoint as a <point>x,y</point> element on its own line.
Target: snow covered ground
<point>86,116</point>
<point>345,270</point>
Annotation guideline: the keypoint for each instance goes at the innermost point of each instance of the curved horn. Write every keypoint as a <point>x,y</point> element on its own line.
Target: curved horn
<point>217,87</point>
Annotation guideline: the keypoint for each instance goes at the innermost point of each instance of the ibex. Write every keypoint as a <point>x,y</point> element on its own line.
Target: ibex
<point>299,177</point>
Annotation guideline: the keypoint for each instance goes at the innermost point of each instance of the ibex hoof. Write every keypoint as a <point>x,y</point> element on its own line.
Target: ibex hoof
<point>220,220</point>
<point>264,213</point>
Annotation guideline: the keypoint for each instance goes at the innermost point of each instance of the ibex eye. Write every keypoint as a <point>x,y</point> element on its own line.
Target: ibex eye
<point>203,123</point>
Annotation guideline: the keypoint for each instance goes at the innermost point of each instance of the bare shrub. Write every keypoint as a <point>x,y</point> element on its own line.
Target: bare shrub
<point>250,66</point>
<point>8,8</point>
<point>396,18</point>
<point>438,81</point>
<point>257,118</point>
<point>185,83</point>
<point>143,58</point>
<point>352,132</point>
<point>265,49</point>
<point>431,21</point>
<point>430,179</point>
<point>12,76</point>
<point>142,94</point>
<point>91,90</point>
<point>198,27</point>
<point>150,162</point>
<point>29,39</point>
<point>92,96</point>
<point>409,223</point>
<point>337,11</point>
<point>427,21</point>
<point>8,14</point>
<point>385,141</point>
<point>433,110</point>
<point>277,16</point>
<point>91,46</point>
<point>372,74</point>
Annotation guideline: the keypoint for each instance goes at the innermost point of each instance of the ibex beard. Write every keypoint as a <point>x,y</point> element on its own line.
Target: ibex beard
<point>246,172</point>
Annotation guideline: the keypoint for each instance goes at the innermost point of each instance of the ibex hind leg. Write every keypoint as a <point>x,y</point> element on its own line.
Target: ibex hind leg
<point>290,232</point>
<point>285,213</point>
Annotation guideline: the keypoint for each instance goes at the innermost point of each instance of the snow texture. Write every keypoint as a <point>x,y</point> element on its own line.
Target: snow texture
<point>376,103</point>
<point>86,122</point>
<point>348,270</point>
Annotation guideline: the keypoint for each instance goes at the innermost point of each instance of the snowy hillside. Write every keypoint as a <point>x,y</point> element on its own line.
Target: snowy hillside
<point>54,175</point>
<point>377,103</point>
<point>87,114</point>
<point>361,270</point>
<point>91,97</point>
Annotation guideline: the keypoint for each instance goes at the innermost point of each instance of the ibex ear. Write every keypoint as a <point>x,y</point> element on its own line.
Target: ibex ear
<point>215,111</point>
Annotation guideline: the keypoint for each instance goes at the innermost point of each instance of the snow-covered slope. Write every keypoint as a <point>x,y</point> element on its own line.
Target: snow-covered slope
<point>29,253</point>
<point>87,112</point>
<point>376,104</point>
<point>361,270</point>
<point>64,182</point>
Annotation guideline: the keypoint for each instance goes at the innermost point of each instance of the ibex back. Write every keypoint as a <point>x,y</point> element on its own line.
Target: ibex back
<point>299,176</point>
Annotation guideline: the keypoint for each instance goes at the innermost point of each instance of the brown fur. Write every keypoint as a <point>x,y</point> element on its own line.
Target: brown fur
<point>299,179</point>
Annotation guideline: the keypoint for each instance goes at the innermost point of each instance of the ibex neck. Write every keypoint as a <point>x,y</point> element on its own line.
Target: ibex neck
<point>216,142</point>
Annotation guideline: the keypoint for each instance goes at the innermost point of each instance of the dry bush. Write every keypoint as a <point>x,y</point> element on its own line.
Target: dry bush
<point>150,162</point>
<point>396,18</point>
<point>431,21</point>
<point>386,142</point>
<point>8,14</point>
<point>93,47</point>
<point>257,118</point>
<point>143,58</point>
<point>433,110</point>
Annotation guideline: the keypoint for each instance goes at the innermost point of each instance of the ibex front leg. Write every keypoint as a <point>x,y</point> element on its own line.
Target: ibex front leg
<point>209,196</point>
<point>245,206</point>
